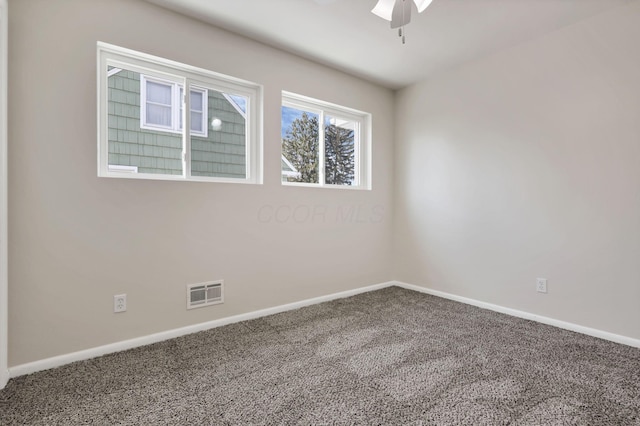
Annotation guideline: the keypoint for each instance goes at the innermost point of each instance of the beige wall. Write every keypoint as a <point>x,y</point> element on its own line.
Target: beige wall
<point>527,164</point>
<point>76,239</point>
<point>521,165</point>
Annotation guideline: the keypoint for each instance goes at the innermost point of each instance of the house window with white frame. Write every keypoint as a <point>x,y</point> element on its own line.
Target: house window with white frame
<point>161,106</point>
<point>141,121</point>
<point>324,144</point>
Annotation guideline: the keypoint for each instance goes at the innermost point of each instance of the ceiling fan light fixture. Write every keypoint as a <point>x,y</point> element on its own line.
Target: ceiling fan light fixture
<point>401,14</point>
<point>384,9</point>
<point>398,12</point>
<point>422,4</point>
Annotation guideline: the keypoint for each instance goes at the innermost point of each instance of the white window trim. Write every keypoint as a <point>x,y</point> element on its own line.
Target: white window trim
<point>176,107</point>
<point>362,139</point>
<point>189,77</point>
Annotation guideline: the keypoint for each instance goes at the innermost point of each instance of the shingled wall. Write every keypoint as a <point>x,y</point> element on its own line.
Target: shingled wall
<point>221,154</point>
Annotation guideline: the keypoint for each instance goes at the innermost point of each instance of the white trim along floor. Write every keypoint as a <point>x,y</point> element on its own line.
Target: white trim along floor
<point>57,361</point>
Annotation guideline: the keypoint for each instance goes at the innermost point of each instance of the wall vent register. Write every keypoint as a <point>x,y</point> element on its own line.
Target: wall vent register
<point>204,294</point>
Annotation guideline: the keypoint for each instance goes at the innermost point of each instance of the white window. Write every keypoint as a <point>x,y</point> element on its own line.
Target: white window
<point>160,104</point>
<point>161,107</point>
<point>141,120</point>
<point>198,112</point>
<point>324,144</point>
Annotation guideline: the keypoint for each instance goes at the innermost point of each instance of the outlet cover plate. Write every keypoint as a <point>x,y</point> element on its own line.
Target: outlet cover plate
<point>541,285</point>
<point>119,303</point>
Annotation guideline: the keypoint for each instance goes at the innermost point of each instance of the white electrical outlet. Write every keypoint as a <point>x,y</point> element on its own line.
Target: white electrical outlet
<point>120,303</point>
<point>541,285</point>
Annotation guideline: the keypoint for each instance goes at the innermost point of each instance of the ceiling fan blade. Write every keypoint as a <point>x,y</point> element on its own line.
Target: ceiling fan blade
<point>384,9</point>
<point>401,13</point>
<point>422,4</point>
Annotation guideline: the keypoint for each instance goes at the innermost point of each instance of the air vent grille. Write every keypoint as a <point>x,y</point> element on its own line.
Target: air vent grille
<point>204,294</point>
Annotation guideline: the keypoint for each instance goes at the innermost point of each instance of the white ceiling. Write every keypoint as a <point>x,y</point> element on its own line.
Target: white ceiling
<point>344,34</point>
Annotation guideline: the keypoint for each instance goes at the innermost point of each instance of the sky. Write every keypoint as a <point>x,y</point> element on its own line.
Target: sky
<point>288,114</point>
<point>241,101</point>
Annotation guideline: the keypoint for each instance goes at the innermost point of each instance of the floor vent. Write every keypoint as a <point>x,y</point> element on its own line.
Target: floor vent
<point>204,294</point>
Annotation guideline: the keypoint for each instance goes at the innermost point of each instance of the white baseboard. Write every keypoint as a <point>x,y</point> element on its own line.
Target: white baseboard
<point>526,315</point>
<point>60,360</point>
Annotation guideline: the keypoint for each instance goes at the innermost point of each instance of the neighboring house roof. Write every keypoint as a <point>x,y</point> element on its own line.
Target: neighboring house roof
<point>288,169</point>
<point>234,101</point>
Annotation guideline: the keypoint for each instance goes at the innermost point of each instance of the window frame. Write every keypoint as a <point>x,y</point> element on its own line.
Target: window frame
<point>205,111</point>
<point>362,139</point>
<point>173,105</point>
<point>176,107</point>
<point>190,78</point>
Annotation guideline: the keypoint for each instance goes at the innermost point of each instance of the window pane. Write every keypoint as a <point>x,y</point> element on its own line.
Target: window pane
<point>300,156</point>
<point>196,122</point>
<point>197,106</point>
<point>158,104</point>
<point>196,101</point>
<point>159,115</point>
<point>159,93</point>
<point>222,153</point>
<point>339,147</point>
<point>139,150</point>
<point>224,143</point>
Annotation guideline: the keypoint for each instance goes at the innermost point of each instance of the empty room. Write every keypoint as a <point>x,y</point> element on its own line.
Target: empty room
<point>376,212</point>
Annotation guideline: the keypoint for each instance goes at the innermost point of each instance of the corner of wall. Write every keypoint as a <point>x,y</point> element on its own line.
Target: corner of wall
<point>4,305</point>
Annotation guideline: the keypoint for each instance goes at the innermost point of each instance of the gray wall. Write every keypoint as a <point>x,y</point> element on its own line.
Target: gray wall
<point>525,164</point>
<point>76,239</point>
<point>520,165</point>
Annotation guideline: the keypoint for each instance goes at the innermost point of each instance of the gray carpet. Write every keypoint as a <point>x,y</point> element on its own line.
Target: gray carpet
<point>388,357</point>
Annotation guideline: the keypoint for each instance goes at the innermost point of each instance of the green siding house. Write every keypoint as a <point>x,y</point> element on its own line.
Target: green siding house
<point>145,128</point>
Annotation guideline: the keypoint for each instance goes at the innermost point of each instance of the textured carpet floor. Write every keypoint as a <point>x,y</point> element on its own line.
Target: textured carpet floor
<point>388,357</point>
